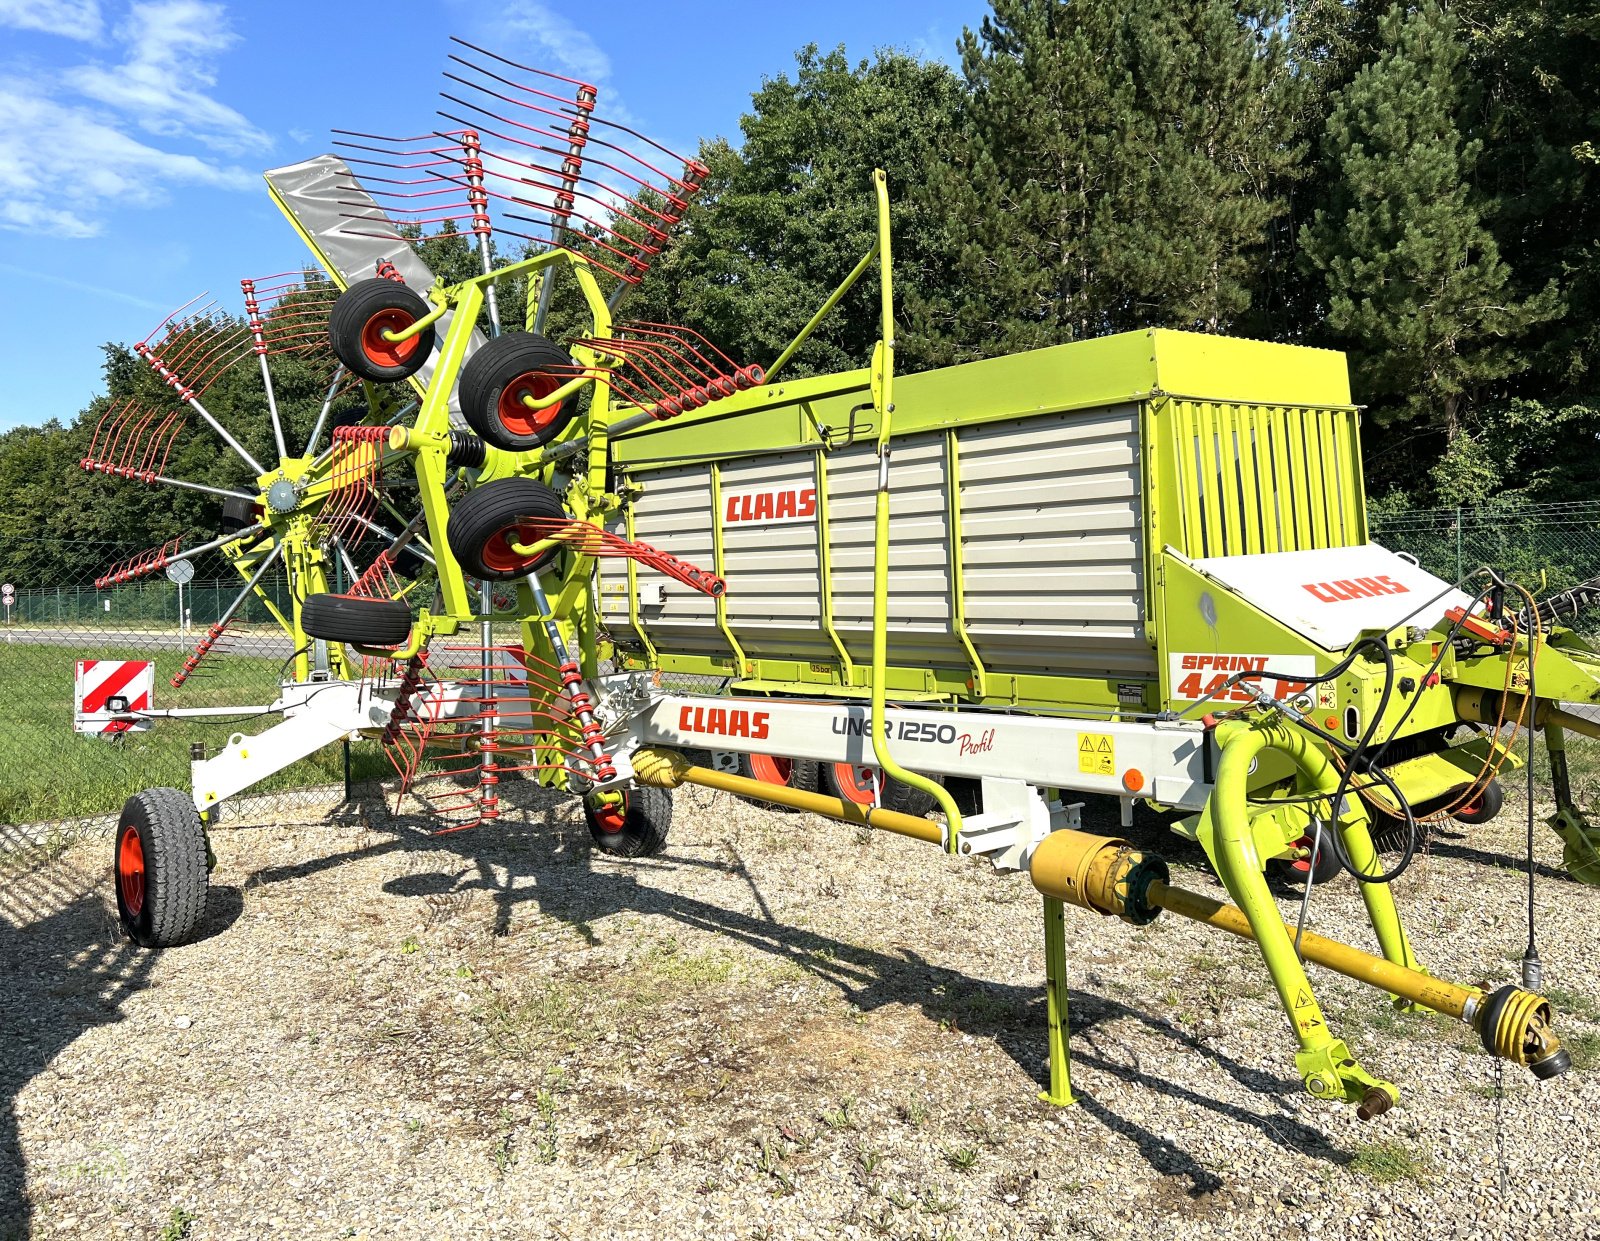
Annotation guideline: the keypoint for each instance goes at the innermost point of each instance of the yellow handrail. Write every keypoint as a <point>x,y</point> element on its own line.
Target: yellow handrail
<point>883,405</point>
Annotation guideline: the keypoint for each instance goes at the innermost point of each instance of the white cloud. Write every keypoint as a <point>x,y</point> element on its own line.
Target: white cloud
<point>163,83</point>
<point>92,166</point>
<point>70,146</point>
<point>520,26</point>
<point>76,19</point>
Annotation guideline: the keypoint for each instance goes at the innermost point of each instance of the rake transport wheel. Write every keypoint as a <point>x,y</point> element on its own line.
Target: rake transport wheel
<point>501,374</point>
<point>794,773</point>
<point>159,860</point>
<point>1325,868</point>
<point>1482,806</point>
<point>488,520</point>
<point>856,784</point>
<point>635,827</point>
<point>361,316</point>
<point>357,620</point>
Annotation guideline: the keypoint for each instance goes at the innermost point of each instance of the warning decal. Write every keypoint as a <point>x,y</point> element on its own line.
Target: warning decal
<point>1097,754</point>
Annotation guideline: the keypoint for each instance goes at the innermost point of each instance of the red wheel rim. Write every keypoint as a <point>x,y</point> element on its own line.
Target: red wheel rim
<point>770,769</point>
<point>514,414</point>
<point>1472,807</point>
<point>612,817</point>
<point>856,784</point>
<point>383,352</point>
<point>130,870</point>
<point>497,553</point>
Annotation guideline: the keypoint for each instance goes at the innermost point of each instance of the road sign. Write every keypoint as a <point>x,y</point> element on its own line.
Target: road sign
<point>180,571</point>
<point>8,590</point>
<point>107,690</point>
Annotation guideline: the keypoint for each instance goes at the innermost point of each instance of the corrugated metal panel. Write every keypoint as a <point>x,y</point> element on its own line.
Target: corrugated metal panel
<point>673,514</point>
<point>1263,478</point>
<point>1052,543</point>
<point>919,566</point>
<point>774,582</point>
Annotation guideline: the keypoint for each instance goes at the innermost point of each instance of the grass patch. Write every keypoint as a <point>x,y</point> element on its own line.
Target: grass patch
<point>1390,1161</point>
<point>54,773</point>
<point>1584,1048</point>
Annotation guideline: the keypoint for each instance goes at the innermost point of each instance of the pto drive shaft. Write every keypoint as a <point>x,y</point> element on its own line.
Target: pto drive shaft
<point>1110,877</point>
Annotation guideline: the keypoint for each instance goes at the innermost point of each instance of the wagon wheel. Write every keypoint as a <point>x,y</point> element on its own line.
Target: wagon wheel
<point>864,785</point>
<point>793,773</point>
<point>489,520</point>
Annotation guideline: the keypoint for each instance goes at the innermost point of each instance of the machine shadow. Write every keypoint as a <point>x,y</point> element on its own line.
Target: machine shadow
<point>65,967</point>
<point>512,864</point>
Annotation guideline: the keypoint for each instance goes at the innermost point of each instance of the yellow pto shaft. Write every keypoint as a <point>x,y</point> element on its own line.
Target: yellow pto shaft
<point>667,769</point>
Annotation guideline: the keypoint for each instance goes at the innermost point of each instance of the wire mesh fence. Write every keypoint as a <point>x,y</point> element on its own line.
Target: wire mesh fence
<point>60,618</point>
<point>1547,548</point>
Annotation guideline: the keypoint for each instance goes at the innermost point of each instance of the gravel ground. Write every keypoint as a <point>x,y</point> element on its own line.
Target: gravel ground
<point>781,1028</point>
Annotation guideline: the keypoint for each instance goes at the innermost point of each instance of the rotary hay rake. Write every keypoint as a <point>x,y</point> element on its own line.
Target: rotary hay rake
<point>1134,566</point>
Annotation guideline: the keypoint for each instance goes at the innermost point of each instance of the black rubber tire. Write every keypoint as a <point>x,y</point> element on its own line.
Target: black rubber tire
<point>1483,807</point>
<point>347,416</point>
<point>480,520</point>
<point>646,819</point>
<point>364,622</point>
<point>238,514</point>
<point>361,313</point>
<point>498,372</point>
<point>173,881</point>
<point>804,775</point>
<point>897,795</point>
<point>1325,870</point>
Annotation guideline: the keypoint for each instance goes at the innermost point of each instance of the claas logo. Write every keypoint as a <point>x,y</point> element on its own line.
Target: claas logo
<point>781,504</point>
<point>1355,588</point>
<point>724,721</point>
<point>1204,675</point>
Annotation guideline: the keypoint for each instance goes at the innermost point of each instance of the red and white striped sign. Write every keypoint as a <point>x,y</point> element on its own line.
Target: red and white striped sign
<point>108,688</point>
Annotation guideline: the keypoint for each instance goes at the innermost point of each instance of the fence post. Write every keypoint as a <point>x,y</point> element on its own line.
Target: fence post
<point>1459,569</point>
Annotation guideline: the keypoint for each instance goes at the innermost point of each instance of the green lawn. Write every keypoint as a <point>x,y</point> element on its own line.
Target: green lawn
<point>49,772</point>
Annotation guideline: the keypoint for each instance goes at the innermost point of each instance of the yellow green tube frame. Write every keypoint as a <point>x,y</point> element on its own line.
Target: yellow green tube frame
<point>883,406</point>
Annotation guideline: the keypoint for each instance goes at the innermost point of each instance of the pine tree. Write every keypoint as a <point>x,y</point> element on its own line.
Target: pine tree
<point>1414,281</point>
<point>1122,167</point>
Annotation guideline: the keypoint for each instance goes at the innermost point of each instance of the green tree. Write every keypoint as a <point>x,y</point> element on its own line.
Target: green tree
<point>783,217</point>
<point>1415,285</point>
<point>1121,166</point>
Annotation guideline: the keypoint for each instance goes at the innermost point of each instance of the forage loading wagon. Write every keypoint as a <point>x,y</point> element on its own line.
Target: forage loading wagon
<point>1135,566</point>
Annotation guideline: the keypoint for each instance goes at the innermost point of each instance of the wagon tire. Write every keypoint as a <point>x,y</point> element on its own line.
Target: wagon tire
<point>159,865</point>
<point>802,774</point>
<point>636,828</point>
<point>360,317</point>
<point>848,782</point>
<point>358,621</point>
<point>482,520</point>
<point>497,377</point>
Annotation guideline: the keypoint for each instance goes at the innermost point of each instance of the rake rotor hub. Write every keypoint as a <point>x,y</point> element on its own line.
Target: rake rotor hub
<point>283,496</point>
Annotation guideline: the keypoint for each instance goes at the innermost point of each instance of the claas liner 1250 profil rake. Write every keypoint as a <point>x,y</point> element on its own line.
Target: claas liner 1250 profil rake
<point>1136,566</point>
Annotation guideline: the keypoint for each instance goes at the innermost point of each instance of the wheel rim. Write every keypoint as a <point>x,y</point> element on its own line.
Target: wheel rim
<point>770,769</point>
<point>383,352</point>
<point>855,784</point>
<point>515,416</point>
<point>612,817</point>
<point>130,870</point>
<point>497,553</point>
<point>1472,807</point>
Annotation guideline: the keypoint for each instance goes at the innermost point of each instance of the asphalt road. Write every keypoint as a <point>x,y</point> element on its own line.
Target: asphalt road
<point>263,645</point>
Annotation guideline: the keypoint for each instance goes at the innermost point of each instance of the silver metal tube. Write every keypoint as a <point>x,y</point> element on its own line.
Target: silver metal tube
<point>327,405</point>
<point>216,491</point>
<point>585,718</point>
<point>557,231</point>
<point>185,552</point>
<point>408,532</point>
<point>349,565</point>
<point>272,405</point>
<point>227,439</point>
<point>384,533</point>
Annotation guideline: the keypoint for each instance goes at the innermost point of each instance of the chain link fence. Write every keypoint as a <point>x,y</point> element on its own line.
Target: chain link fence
<point>58,617</point>
<point>1548,548</point>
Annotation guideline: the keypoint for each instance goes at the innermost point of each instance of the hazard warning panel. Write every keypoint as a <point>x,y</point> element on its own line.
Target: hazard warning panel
<point>1097,754</point>
<point>106,690</point>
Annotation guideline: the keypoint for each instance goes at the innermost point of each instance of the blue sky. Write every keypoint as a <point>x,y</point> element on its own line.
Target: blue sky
<point>133,134</point>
